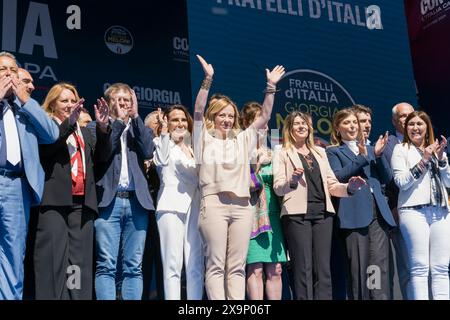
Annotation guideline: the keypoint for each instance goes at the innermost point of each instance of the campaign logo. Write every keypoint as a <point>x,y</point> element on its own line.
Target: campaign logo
<point>180,49</point>
<point>433,11</point>
<point>119,40</point>
<point>314,93</point>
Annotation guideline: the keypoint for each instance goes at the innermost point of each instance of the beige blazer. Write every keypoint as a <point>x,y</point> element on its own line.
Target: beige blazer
<point>295,200</point>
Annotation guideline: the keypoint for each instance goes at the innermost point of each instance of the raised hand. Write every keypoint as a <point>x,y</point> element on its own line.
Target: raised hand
<point>101,112</point>
<point>355,183</point>
<point>20,90</point>
<point>381,144</point>
<point>121,113</point>
<point>162,121</point>
<point>75,112</point>
<point>362,147</point>
<point>207,68</point>
<point>133,112</point>
<point>5,86</point>
<point>275,75</point>
<point>440,148</point>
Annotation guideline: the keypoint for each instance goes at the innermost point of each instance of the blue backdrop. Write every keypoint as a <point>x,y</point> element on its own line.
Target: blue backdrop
<point>335,52</point>
<point>142,43</point>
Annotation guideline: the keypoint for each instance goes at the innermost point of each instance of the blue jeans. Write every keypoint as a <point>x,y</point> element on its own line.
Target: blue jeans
<point>126,220</point>
<point>14,215</point>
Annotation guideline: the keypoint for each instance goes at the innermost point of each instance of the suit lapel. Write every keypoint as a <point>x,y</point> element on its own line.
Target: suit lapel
<point>347,152</point>
<point>295,160</point>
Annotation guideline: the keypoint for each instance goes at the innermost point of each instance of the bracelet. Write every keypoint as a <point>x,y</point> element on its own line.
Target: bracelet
<point>270,89</point>
<point>206,84</point>
<point>442,163</point>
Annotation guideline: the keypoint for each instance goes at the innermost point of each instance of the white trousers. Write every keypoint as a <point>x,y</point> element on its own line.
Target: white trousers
<point>180,238</point>
<point>427,237</point>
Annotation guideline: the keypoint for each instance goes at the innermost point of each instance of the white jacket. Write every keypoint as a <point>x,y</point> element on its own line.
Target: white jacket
<point>178,175</point>
<point>414,192</point>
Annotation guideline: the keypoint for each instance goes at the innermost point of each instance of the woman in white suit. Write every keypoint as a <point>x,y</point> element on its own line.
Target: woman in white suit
<point>422,173</point>
<point>178,205</point>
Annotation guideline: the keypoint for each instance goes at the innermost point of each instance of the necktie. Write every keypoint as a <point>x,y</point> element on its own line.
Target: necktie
<point>11,135</point>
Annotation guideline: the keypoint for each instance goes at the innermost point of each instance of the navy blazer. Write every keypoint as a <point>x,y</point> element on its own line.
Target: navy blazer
<point>357,211</point>
<point>34,127</point>
<point>391,188</point>
<point>139,148</point>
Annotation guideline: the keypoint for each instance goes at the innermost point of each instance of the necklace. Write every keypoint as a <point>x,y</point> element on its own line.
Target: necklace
<point>309,160</point>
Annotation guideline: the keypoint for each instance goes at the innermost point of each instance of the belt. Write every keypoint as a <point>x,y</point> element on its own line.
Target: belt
<point>125,194</point>
<point>417,207</point>
<point>11,174</point>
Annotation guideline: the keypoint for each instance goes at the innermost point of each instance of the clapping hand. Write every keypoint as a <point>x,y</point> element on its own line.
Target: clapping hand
<point>441,148</point>
<point>381,144</point>
<point>75,112</point>
<point>162,121</point>
<point>101,113</point>
<point>133,112</point>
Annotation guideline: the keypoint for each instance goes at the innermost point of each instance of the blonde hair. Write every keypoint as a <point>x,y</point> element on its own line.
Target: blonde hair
<point>54,93</point>
<point>339,116</point>
<point>215,105</point>
<point>288,137</point>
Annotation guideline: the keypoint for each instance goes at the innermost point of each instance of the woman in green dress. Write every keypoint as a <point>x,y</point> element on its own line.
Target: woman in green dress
<point>266,250</point>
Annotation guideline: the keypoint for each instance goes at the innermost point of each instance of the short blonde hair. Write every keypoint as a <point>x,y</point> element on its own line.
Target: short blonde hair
<point>216,104</point>
<point>54,94</point>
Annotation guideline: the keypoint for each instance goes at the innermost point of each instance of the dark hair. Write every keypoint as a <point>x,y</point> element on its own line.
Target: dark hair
<point>360,108</point>
<point>171,108</point>
<point>429,137</point>
<point>248,113</point>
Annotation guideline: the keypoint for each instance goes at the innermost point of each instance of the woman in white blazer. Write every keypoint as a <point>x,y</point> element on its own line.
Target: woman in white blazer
<point>422,173</point>
<point>178,205</point>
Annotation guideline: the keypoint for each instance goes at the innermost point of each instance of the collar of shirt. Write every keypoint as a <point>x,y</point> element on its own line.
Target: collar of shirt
<point>353,146</point>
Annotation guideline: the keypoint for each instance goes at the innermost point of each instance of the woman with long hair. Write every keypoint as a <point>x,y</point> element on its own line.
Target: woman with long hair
<point>178,204</point>
<point>64,243</point>
<point>304,179</point>
<point>422,173</point>
<point>266,251</point>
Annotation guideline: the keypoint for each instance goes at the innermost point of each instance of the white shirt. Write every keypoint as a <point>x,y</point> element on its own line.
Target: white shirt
<point>126,180</point>
<point>352,145</point>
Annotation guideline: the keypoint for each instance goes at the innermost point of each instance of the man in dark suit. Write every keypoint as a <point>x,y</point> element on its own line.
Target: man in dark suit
<point>124,198</point>
<point>399,113</point>
<point>23,125</point>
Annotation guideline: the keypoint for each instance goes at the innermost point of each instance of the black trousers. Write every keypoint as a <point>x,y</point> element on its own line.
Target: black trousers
<point>368,260</point>
<point>63,253</point>
<point>309,243</point>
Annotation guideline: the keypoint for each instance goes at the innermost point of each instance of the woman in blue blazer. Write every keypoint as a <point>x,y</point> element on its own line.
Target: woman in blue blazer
<point>364,219</point>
